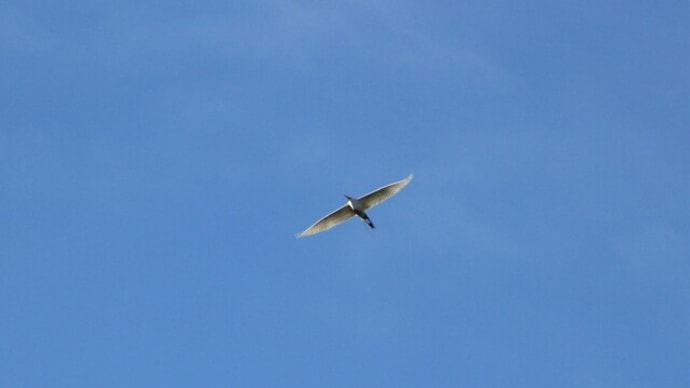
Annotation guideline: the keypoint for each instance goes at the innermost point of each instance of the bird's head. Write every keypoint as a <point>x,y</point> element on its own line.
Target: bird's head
<point>348,197</point>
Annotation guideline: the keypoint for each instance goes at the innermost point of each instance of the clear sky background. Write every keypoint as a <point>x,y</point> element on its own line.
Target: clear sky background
<point>158,158</point>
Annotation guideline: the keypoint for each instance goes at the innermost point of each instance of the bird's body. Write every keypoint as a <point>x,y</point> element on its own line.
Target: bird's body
<point>358,207</point>
<point>354,203</point>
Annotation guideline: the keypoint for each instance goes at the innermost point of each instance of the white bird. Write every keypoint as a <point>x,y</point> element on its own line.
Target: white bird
<point>357,206</point>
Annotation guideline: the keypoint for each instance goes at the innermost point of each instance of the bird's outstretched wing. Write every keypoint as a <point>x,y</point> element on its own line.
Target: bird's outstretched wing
<point>337,217</point>
<point>381,194</point>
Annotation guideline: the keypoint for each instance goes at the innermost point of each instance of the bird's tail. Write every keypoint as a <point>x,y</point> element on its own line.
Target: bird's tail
<point>368,221</point>
<point>365,218</point>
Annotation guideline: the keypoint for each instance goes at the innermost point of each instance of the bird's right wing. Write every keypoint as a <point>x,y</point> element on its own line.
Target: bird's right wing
<point>383,193</point>
<point>337,217</point>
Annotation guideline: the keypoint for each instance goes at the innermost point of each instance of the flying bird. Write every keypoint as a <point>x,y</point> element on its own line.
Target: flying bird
<point>356,207</point>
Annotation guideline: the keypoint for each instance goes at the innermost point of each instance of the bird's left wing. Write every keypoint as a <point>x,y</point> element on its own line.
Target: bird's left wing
<point>339,216</point>
<point>381,194</point>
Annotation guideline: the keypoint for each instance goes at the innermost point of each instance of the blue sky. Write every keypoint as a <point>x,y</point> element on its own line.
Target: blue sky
<point>157,160</point>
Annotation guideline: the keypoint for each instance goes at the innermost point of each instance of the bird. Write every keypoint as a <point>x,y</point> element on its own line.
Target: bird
<point>356,207</point>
